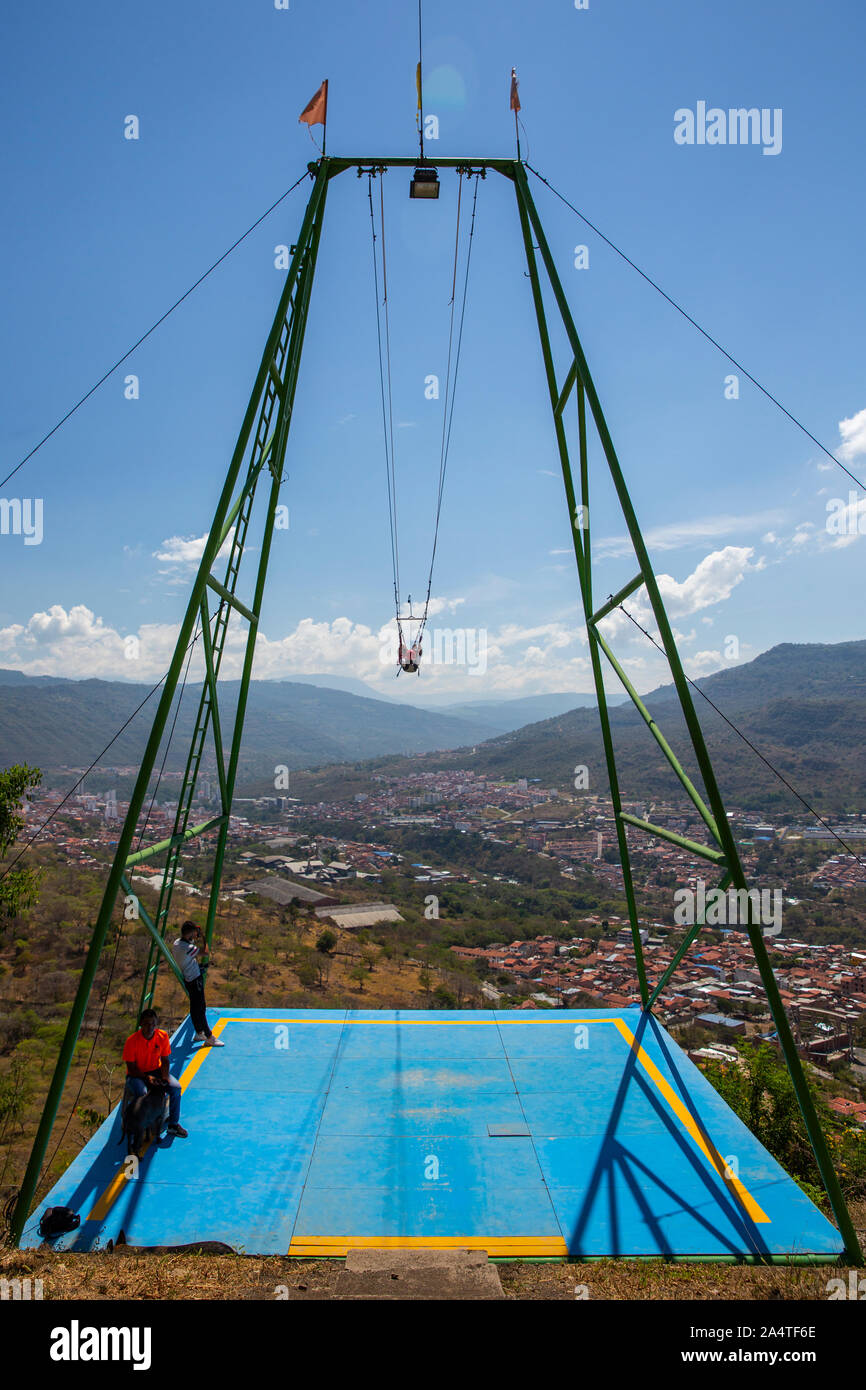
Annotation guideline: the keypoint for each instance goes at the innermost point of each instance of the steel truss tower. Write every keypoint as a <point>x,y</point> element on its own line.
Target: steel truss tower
<point>258,458</point>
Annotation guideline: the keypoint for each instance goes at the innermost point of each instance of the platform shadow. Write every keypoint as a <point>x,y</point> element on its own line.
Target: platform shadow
<point>620,1166</point>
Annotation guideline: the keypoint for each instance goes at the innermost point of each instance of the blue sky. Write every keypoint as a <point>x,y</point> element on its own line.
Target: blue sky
<point>101,234</point>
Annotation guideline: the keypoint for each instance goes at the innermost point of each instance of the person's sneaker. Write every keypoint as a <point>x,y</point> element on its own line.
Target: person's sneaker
<point>178,1131</point>
<point>214,1041</point>
<point>199,1037</point>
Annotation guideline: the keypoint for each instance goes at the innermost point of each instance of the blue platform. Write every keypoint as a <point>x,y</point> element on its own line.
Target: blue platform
<point>550,1134</point>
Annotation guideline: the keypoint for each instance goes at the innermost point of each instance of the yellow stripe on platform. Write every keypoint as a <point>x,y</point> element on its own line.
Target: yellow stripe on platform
<point>338,1245</point>
<point>330,1247</point>
<point>422,1022</point>
<point>688,1121</point>
<point>107,1199</point>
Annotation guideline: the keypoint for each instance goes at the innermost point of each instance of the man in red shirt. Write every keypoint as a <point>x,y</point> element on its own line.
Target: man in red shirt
<point>146,1053</point>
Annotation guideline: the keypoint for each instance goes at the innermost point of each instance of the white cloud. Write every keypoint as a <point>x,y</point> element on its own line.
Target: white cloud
<point>853,435</point>
<point>443,605</point>
<point>713,580</point>
<point>703,663</point>
<point>77,643</point>
<point>186,551</point>
<point>520,658</point>
<point>679,535</point>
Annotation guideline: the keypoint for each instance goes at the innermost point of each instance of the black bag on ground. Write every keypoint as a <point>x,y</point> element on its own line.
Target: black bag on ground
<point>56,1221</point>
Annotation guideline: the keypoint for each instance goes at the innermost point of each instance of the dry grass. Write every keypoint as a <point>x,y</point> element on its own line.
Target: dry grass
<point>184,1276</point>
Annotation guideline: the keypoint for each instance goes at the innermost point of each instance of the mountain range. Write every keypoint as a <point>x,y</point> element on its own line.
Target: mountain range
<point>802,705</point>
<point>56,723</point>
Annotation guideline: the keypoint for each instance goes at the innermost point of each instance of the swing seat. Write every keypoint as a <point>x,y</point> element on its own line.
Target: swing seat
<point>409,658</point>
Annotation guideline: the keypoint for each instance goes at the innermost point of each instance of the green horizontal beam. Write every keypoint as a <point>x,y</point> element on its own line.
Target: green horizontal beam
<point>616,599</point>
<point>337,163</point>
<point>703,851</point>
<point>685,781</point>
<point>566,390</point>
<point>173,840</point>
<point>145,918</point>
<point>724,885</point>
<point>796,1261</point>
<point>230,598</point>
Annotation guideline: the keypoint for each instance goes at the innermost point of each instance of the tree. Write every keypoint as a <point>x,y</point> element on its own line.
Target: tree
<point>307,972</point>
<point>761,1092</point>
<point>18,887</point>
<point>326,942</point>
<point>443,998</point>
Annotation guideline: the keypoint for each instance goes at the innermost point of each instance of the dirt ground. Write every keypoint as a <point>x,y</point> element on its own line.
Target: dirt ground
<point>185,1276</point>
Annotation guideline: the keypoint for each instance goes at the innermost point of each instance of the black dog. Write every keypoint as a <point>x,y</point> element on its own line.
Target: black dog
<point>141,1117</point>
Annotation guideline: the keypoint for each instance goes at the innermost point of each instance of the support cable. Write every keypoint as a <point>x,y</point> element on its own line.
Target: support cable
<point>390,389</point>
<point>420,85</point>
<point>170,734</point>
<point>87,772</point>
<point>710,339</point>
<point>731,725</point>
<point>46,1167</point>
<point>450,390</point>
<point>152,329</point>
<point>392,499</point>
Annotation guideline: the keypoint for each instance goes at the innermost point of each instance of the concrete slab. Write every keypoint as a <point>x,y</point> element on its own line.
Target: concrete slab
<point>423,1274</point>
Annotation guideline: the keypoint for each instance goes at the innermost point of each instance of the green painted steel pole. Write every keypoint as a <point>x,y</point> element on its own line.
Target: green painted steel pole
<point>685,781</point>
<point>681,951</point>
<point>786,1041</point>
<point>584,562</point>
<point>158,940</point>
<point>40,1144</point>
<point>293,360</point>
<point>55,1092</point>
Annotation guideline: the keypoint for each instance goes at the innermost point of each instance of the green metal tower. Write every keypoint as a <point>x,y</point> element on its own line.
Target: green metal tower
<point>258,459</point>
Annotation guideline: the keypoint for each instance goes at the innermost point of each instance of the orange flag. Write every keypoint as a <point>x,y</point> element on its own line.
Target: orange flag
<point>515,99</point>
<point>316,111</point>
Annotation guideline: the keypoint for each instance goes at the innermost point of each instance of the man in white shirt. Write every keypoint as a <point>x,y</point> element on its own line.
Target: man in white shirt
<point>188,953</point>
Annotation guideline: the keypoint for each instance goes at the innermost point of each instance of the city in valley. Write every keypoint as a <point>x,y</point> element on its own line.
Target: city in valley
<point>464,853</point>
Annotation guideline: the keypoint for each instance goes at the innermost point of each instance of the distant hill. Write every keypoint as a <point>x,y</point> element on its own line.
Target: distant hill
<point>507,715</point>
<point>803,706</point>
<point>350,684</point>
<point>55,723</point>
